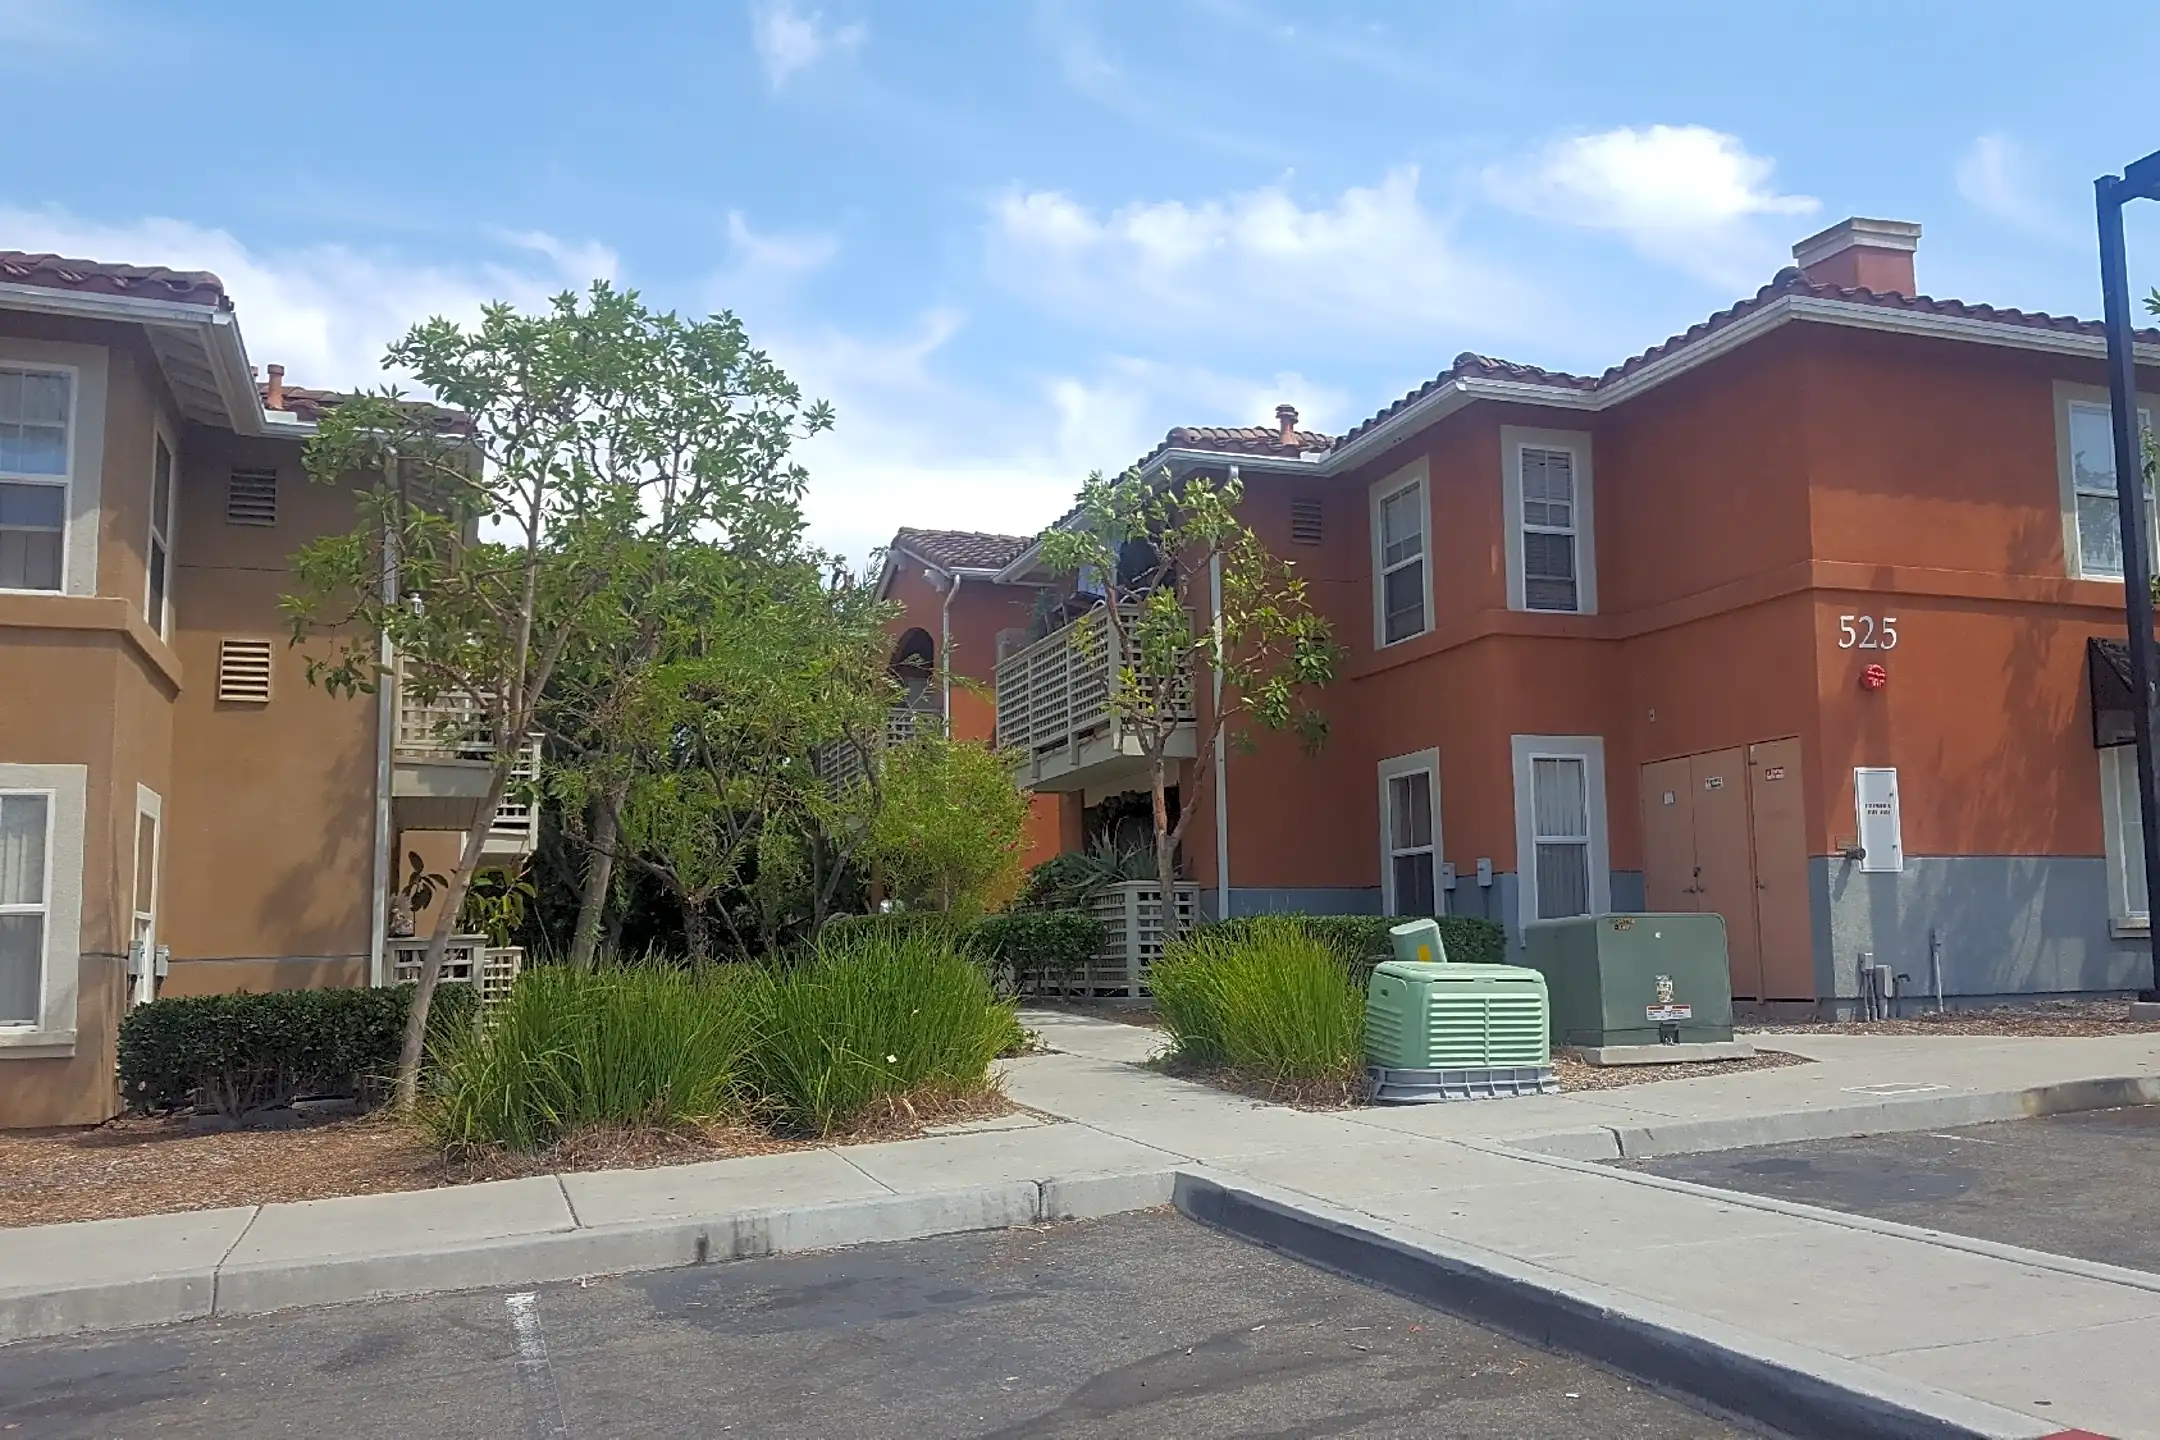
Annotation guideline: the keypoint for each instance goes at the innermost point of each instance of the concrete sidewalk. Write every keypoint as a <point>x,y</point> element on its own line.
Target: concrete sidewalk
<point>1940,1334</point>
<point>1986,1339</point>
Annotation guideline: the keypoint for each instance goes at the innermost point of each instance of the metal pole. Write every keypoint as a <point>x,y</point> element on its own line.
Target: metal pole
<point>2110,194</point>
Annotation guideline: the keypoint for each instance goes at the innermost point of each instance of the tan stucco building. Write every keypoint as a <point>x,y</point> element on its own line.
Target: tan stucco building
<point>181,812</point>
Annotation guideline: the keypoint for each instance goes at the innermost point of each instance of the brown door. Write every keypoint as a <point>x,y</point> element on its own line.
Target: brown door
<point>1724,860</point>
<point>1668,805</point>
<point>1778,838</point>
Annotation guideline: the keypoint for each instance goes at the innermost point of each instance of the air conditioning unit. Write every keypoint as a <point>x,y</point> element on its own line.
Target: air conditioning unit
<point>1440,1031</point>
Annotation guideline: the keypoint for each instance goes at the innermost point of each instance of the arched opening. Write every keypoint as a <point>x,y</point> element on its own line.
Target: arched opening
<point>914,665</point>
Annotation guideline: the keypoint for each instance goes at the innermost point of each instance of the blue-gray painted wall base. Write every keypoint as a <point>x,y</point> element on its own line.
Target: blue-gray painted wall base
<point>2012,926</point>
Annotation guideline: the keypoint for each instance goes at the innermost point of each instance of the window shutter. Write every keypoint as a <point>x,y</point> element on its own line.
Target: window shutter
<point>251,498</point>
<point>244,672</point>
<point>1305,522</point>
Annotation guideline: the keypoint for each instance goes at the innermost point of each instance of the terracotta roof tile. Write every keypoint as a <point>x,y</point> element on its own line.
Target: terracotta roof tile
<point>1244,439</point>
<point>958,549</point>
<point>1789,281</point>
<point>154,282</point>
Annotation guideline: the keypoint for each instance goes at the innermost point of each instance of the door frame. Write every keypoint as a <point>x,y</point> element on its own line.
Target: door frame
<point>151,806</point>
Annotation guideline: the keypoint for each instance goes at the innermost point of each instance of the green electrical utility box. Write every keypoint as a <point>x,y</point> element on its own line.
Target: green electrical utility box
<point>1634,979</point>
<point>1422,1016</point>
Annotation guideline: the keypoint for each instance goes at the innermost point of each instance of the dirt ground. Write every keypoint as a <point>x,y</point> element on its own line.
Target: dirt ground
<point>149,1165</point>
<point>2039,1018</point>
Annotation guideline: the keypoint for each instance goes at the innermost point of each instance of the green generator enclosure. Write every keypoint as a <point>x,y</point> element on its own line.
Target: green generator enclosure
<point>1634,979</point>
<point>1421,1016</point>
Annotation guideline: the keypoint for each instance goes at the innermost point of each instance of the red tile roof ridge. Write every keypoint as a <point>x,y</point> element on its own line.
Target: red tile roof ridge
<point>961,549</point>
<point>97,277</point>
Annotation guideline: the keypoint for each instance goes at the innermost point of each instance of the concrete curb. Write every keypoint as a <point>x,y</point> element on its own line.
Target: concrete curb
<point>1800,1392</point>
<point>1849,1220</point>
<point>568,1254</point>
<point>1881,1117</point>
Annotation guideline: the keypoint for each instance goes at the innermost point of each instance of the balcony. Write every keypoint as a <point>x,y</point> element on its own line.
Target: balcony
<point>840,762</point>
<point>440,765</point>
<point>1053,711</point>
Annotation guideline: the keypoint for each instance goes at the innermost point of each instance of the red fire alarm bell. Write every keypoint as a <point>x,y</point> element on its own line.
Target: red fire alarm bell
<point>1874,678</point>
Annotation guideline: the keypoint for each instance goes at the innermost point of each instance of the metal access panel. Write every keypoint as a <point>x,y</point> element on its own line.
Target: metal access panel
<point>1634,979</point>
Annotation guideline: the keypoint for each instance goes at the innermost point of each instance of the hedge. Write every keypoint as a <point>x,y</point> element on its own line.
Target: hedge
<point>1021,948</point>
<point>1361,941</point>
<point>235,1053</point>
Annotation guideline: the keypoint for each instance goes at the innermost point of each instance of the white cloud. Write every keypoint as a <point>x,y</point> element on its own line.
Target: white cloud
<point>325,312</point>
<point>1373,261</point>
<point>914,445</point>
<point>1684,195</point>
<point>789,40</point>
<point>1996,176</point>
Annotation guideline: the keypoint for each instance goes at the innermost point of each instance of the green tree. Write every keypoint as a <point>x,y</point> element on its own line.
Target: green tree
<point>573,446</point>
<point>1189,588</point>
<point>951,828</point>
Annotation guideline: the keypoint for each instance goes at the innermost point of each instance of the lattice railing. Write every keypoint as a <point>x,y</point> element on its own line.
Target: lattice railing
<point>1056,693</point>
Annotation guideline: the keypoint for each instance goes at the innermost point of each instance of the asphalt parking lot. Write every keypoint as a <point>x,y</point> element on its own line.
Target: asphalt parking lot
<point>2085,1185</point>
<point>1142,1325</point>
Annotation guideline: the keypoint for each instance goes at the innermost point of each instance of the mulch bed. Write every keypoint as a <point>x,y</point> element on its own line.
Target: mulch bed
<point>146,1165</point>
<point>1348,1092</point>
<point>2040,1018</point>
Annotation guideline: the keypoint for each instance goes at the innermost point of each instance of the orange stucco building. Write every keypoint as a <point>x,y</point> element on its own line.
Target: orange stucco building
<point>1786,618</point>
<point>181,812</point>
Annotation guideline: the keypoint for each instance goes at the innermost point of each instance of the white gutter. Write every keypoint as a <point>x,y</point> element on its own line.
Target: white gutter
<point>945,642</point>
<point>215,329</point>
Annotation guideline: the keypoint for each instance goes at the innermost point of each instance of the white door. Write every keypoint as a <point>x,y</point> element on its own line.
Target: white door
<point>1882,837</point>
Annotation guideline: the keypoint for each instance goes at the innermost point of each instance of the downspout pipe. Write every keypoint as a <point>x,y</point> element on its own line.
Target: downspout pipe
<point>952,588</point>
<point>385,730</point>
<point>1222,763</point>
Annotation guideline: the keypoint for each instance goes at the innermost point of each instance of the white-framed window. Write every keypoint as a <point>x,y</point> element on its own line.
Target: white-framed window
<point>2092,522</point>
<point>1560,834</point>
<point>1410,834</point>
<point>158,554</point>
<point>1401,562</point>
<point>25,904</point>
<point>37,407</point>
<point>149,822</point>
<point>41,865</point>
<point>1549,514</point>
<point>2124,837</point>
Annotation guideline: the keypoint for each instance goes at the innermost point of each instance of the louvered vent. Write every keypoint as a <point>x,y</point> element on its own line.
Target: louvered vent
<point>1305,522</point>
<point>251,498</point>
<point>243,671</point>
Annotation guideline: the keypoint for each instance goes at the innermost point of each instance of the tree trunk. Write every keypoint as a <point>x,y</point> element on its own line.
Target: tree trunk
<point>415,1043</point>
<point>599,873</point>
<point>695,932</point>
<point>1165,846</point>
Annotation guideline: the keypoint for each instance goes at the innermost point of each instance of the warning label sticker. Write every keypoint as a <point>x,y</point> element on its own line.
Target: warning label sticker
<point>1666,1014</point>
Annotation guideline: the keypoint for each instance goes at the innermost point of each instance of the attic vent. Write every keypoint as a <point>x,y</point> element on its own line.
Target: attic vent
<point>243,671</point>
<point>251,498</point>
<point>1305,522</point>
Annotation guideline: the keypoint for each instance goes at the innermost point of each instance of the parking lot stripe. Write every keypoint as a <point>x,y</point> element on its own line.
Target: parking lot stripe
<point>537,1377</point>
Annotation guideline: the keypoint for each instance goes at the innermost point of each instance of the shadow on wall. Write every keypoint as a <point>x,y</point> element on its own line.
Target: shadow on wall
<point>300,914</point>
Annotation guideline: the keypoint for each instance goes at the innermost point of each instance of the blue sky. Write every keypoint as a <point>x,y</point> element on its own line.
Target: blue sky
<point>1013,241</point>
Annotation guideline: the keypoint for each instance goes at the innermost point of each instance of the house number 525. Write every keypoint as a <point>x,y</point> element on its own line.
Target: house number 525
<point>1866,632</point>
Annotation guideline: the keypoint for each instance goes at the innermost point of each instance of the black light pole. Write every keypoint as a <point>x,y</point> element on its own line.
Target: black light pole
<point>2140,181</point>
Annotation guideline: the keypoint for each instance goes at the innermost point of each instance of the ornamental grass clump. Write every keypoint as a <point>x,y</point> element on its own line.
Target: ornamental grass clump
<point>870,1017</point>
<point>1270,1003</point>
<point>568,1049</point>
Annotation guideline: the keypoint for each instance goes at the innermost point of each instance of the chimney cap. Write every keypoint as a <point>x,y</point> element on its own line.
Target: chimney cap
<point>1286,420</point>
<point>1857,232</point>
<point>274,392</point>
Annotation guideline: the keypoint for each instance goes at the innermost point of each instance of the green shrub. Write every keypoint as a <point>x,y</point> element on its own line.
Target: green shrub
<point>618,1046</point>
<point>236,1053</point>
<point>871,1015</point>
<point>1361,941</point>
<point>1267,997</point>
<point>892,924</point>
<point>1027,949</point>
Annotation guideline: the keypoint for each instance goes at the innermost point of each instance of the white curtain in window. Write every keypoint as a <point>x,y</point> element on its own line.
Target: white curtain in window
<point>1560,821</point>
<point>22,901</point>
<point>2118,770</point>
